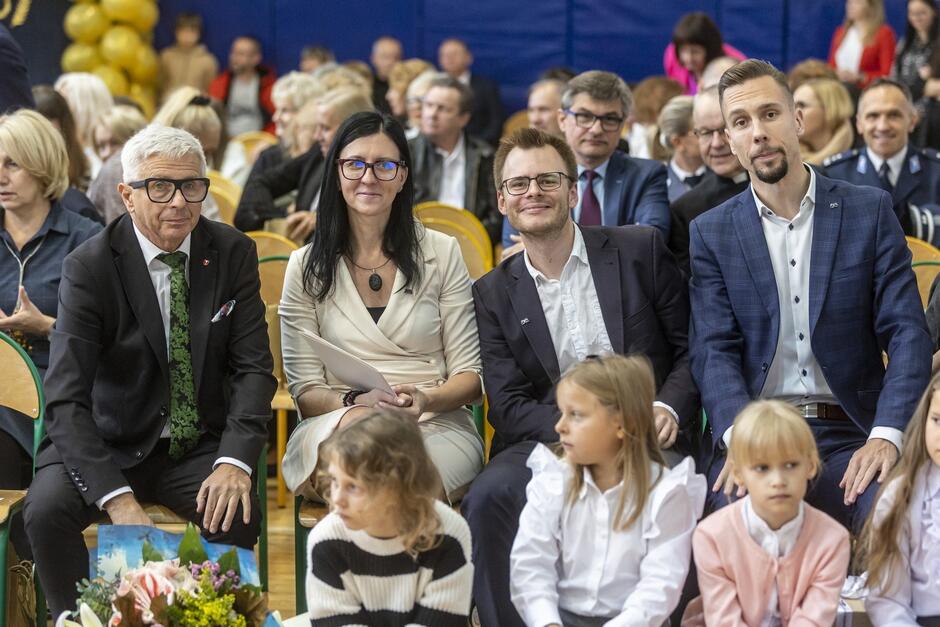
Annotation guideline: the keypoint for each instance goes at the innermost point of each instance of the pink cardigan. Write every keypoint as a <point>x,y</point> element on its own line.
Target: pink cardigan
<point>677,72</point>
<point>736,575</point>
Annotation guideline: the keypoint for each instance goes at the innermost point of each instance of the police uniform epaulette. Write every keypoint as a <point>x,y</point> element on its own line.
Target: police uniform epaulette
<point>842,156</point>
<point>930,153</point>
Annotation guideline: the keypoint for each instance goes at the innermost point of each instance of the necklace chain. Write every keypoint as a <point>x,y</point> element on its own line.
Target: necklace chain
<point>387,259</point>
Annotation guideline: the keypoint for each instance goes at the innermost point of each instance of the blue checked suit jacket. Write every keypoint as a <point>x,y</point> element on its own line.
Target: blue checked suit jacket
<point>863,299</point>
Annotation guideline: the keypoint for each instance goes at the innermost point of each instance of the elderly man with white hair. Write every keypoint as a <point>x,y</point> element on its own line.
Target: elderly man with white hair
<point>159,382</point>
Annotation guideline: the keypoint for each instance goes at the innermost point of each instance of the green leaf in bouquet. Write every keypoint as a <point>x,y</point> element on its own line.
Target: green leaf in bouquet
<point>149,553</point>
<point>191,550</point>
<point>229,561</point>
<point>96,594</point>
<point>251,603</point>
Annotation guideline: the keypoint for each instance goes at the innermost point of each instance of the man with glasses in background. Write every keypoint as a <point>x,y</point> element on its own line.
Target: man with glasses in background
<point>159,382</point>
<point>725,178</point>
<point>575,291</point>
<point>613,188</point>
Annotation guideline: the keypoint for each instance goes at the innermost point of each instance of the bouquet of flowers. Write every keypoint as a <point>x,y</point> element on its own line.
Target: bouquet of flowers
<point>189,589</point>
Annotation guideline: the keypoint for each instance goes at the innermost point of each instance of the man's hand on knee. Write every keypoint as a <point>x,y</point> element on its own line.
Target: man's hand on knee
<point>125,510</point>
<point>726,482</point>
<point>876,457</point>
<point>219,496</point>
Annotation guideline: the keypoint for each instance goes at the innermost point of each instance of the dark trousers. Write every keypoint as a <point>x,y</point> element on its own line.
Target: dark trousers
<point>492,508</point>
<point>56,514</point>
<point>837,442</point>
<point>16,469</point>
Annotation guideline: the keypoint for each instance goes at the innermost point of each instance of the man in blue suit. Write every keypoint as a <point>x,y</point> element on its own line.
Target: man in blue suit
<point>613,188</point>
<point>909,173</point>
<point>798,284</point>
<point>14,79</point>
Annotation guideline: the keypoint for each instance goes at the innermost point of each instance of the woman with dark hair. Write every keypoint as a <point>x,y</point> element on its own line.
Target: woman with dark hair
<point>378,285</point>
<point>914,51</point>
<point>696,42</point>
<point>53,106</point>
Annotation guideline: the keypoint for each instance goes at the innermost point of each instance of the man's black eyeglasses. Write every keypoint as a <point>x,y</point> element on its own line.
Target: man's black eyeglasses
<point>162,190</point>
<point>586,119</point>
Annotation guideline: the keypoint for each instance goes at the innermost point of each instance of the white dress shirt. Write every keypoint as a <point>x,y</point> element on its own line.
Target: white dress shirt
<point>914,589</point>
<point>777,544</point>
<point>572,556</point>
<point>454,175</point>
<point>794,375</point>
<point>849,55</point>
<point>895,163</point>
<point>684,174</point>
<point>160,277</point>
<point>597,185</point>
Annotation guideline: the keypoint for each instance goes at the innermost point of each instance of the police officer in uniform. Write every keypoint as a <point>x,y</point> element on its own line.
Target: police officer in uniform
<point>910,174</point>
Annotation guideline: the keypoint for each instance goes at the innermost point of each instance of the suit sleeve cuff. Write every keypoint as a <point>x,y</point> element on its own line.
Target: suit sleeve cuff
<point>895,436</point>
<point>233,462</point>
<point>667,408</point>
<point>110,495</point>
<point>726,437</point>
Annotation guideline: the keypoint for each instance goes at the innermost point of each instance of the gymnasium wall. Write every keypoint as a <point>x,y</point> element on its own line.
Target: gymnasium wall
<point>512,42</point>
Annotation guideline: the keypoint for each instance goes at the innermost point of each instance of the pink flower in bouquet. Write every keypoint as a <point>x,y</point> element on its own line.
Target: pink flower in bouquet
<point>144,584</point>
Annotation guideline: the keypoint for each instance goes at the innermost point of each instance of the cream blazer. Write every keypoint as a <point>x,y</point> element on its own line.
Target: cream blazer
<point>427,334</point>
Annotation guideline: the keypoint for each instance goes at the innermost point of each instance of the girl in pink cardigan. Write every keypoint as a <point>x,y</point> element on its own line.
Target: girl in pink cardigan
<point>770,559</point>
<point>901,540</point>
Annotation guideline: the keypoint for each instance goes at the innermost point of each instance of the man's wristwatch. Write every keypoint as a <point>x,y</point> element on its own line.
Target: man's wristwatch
<point>349,398</point>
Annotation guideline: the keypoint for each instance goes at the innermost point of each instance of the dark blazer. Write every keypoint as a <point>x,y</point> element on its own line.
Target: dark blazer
<point>645,307</point>
<point>479,194</point>
<point>486,118</point>
<point>710,192</point>
<point>107,386</point>
<point>918,182</point>
<point>15,92</point>
<point>257,204</point>
<point>634,193</point>
<point>863,299</point>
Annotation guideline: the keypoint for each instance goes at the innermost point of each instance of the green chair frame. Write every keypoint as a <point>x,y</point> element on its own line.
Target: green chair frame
<point>300,532</point>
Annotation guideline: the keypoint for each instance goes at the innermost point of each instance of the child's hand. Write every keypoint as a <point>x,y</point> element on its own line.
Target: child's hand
<point>726,482</point>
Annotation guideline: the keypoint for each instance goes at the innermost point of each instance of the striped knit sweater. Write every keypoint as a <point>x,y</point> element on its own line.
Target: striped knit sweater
<point>355,579</point>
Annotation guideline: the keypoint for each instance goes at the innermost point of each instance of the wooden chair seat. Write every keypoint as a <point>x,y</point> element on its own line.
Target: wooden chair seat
<point>311,513</point>
<point>10,501</point>
<point>926,265</point>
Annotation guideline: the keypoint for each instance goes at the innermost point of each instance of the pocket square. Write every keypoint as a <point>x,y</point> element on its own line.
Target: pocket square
<point>224,311</point>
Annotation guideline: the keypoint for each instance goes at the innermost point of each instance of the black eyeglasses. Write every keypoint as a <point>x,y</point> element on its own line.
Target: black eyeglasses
<point>707,133</point>
<point>355,169</point>
<point>547,182</point>
<point>586,119</point>
<point>163,190</point>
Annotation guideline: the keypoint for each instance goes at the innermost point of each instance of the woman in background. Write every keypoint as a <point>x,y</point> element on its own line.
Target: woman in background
<point>827,119</point>
<point>863,46</point>
<point>696,42</point>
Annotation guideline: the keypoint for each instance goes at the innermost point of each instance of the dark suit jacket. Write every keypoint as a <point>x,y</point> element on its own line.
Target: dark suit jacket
<point>918,181</point>
<point>863,299</point>
<point>486,119</point>
<point>303,174</point>
<point>15,92</point>
<point>479,194</point>
<point>634,193</point>
<point>645,307</point>
<point>710,192</point>
<point>107,386</point>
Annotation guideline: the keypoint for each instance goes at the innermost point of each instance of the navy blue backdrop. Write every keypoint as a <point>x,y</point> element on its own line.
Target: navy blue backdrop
<point>512,42</point>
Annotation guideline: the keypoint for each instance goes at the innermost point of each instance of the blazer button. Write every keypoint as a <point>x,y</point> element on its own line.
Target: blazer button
<point>84,488</point>
<point>163,411</point>
<point>764,367</point>
<point>139,454</point>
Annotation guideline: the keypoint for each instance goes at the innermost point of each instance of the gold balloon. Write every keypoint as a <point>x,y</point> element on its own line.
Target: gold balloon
<point>113,77</point>
<point>145,96</point>
<point>86,22</point>
<point>146,66</point>
<point>146,16</point>
<point>120,10</point>
<point>120,45</point>
<point>80,57</point>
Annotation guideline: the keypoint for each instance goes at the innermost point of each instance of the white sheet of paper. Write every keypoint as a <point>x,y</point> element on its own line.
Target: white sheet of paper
<point>346,367</point>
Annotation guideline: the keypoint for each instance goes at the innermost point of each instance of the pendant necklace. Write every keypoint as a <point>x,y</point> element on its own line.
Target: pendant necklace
<point>375,281</point>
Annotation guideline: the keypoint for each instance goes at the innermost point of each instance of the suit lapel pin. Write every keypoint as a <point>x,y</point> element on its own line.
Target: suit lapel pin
<point>524,321</point>
<point>833,205</point>
<point>205,262</point>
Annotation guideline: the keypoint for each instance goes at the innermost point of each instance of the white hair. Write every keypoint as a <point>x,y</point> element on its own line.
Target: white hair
<point>158,140</point>
<point>295,89</point>
<point>88,99</point>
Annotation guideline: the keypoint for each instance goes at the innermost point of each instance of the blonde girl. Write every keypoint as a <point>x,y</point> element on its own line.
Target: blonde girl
<point>901,540</point>
<point>605,536</point>
<point>388,547</point>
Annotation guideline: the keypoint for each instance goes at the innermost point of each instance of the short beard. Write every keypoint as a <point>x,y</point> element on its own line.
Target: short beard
<point>550,229</point>
<point>773,175</point>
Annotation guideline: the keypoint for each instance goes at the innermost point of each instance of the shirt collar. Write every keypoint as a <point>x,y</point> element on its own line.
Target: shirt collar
<point>456,152</point>
<point>465,77</point>
<point>601,169</point>
<point>895,163</point>
<point>588,484</point>
<point>578,251</point>
<point>151,250</point>
<point>740,177</point>
<point>807,203</point>
<point>684,174</point>
<point>759,530</point>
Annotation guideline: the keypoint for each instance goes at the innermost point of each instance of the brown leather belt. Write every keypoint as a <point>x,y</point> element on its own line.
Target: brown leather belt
<point>823,411</point>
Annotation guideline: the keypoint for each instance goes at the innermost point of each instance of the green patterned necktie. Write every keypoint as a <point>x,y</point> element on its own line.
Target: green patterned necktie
<point>184,417</point>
